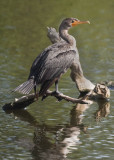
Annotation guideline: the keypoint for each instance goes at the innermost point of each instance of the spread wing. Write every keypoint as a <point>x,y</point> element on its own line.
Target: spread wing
<point>55,68</point>
<point>40,60</point>
<point>50,64</point>
<point>57,65</point>
<point>49,58</point>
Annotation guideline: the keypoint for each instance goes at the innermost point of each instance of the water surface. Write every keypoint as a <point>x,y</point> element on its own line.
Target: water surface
<point>56,130</point>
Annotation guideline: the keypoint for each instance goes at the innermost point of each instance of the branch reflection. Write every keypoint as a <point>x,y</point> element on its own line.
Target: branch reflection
<point>65,138</point>
<point>103,110</point>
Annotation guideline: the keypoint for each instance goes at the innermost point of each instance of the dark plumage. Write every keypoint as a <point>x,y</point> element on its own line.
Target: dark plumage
<point>52,62</point>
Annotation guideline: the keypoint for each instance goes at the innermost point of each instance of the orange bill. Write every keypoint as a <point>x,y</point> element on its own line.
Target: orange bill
<point>76,22</point>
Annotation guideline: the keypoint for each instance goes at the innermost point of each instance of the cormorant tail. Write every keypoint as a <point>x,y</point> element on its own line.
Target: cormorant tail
<point>25,87</point>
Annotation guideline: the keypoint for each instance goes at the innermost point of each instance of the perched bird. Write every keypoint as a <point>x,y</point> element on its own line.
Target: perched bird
<point>54,61</point>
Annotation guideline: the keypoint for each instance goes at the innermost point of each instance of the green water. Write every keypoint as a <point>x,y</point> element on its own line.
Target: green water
<point>53,130</point>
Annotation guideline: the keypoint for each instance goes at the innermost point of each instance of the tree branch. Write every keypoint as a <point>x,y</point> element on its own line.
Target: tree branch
<point>25,101</point>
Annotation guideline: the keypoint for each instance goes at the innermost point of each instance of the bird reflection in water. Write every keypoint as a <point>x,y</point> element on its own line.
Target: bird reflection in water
<point>66,137</point>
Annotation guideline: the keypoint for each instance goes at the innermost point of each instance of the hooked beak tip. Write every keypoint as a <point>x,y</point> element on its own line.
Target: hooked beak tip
<point>88,22</point>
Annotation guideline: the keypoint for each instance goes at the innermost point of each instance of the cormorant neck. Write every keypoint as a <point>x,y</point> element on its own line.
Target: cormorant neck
<point>67,37</point>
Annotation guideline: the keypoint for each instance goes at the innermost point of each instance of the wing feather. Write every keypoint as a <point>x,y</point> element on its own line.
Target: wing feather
<point>55,68</point>
<point>51,63</point>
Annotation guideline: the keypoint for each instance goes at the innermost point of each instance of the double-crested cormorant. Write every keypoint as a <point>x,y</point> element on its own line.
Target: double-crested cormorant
<point>53,61</point>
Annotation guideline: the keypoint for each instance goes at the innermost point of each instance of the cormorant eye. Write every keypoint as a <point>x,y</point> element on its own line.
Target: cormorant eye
<point>73,21</point>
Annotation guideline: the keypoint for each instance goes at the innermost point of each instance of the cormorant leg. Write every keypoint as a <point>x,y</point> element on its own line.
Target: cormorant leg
<point>36,94</point>
<point>57,90</point>
<point>56,86</point>
<point>35,90</point>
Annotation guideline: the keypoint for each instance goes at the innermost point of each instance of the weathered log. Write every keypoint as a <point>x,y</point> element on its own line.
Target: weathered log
<point>109,84</point>
<point>99,92</point>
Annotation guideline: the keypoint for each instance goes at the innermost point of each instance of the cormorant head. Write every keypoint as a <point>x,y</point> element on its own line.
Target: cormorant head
<point>70,22</point>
